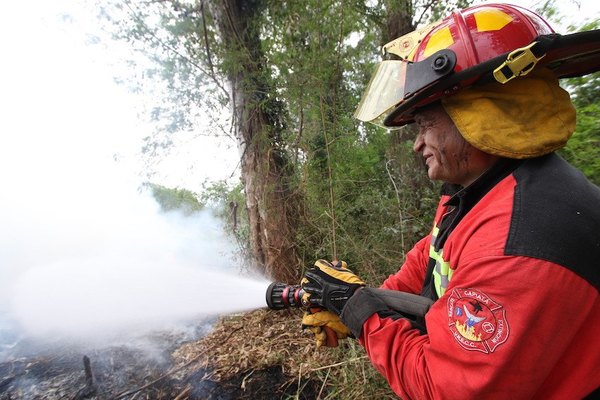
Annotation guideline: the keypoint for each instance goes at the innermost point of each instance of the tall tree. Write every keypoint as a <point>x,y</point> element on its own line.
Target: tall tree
<point>259,124</point>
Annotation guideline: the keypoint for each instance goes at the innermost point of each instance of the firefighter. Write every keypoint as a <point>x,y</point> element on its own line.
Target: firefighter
<point>513,257</point>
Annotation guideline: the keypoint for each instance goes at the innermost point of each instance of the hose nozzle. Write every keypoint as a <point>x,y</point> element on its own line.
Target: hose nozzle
<point>281,295</point>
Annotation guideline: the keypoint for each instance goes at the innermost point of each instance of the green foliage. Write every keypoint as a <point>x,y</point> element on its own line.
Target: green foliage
<point>322,56</point>
<point>228,204</point>
<point>583,149</point>
<point>174,199</point>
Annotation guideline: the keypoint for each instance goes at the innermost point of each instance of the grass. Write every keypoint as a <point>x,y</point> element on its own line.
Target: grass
<point>242,346</point>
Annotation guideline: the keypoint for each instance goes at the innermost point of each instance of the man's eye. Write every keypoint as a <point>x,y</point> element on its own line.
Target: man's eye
<point>424,124</point>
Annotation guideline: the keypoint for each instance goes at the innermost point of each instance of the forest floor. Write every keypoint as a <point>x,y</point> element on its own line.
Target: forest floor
<point>261,354</point>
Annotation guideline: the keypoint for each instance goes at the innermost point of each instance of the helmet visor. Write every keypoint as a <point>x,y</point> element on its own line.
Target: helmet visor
<point>383,93</point>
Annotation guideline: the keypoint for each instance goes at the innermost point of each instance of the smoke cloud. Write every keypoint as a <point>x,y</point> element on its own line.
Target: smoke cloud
<point>102,258</point>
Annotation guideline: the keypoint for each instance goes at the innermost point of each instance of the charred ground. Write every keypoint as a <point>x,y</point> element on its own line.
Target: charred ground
<point>256,355</point>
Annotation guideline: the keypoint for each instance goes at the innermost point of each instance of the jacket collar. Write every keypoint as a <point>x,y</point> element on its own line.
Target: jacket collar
<point>475,191</point>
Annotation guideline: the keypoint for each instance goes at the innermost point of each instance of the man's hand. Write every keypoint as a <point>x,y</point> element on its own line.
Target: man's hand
<point>330,285</point>
<point>326,326</point>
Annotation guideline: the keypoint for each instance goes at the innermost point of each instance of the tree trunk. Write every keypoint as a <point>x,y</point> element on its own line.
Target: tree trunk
<point>259,117</point>
<point>398,20</point>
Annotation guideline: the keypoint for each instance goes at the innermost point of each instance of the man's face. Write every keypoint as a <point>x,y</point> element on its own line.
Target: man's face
<point>448,157</point>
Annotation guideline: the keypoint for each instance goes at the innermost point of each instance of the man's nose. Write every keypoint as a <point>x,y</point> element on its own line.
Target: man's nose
<point>419,142</point>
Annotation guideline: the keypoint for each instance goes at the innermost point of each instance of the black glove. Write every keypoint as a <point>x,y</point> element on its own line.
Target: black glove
<point>330,285</point>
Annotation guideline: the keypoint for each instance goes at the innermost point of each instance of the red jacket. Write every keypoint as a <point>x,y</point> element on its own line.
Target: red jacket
<point>515,269</point>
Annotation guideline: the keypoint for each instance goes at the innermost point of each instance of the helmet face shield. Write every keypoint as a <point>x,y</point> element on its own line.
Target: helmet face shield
<point>384,91</point>
<point>394,81</point>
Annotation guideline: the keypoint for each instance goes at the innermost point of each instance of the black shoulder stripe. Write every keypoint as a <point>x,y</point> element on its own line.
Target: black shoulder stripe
<point>556,217</point>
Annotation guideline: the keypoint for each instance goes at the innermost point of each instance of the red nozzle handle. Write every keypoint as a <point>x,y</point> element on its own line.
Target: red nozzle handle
<point>281,295</point>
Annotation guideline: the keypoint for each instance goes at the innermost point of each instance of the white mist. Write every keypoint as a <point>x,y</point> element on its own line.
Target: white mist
<point>82,252</point>
<point>88,298</point>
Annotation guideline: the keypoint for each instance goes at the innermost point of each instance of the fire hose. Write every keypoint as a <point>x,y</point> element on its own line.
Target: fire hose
<point>281,296</point>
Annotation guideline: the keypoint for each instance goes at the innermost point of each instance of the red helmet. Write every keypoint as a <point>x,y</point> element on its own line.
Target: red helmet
<point>480,43</point>
<point>482,32</point>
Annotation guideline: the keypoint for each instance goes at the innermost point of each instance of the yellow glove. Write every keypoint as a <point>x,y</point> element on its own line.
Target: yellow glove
<point>326,326</point>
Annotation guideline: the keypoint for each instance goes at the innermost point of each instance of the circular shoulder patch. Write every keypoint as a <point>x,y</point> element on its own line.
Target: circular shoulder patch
<point>476,321</point>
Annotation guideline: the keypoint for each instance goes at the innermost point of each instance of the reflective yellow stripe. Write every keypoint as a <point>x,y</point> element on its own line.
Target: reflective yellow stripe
<point>491,20</point>
<point>434,234</point>
<point>442,273</point>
